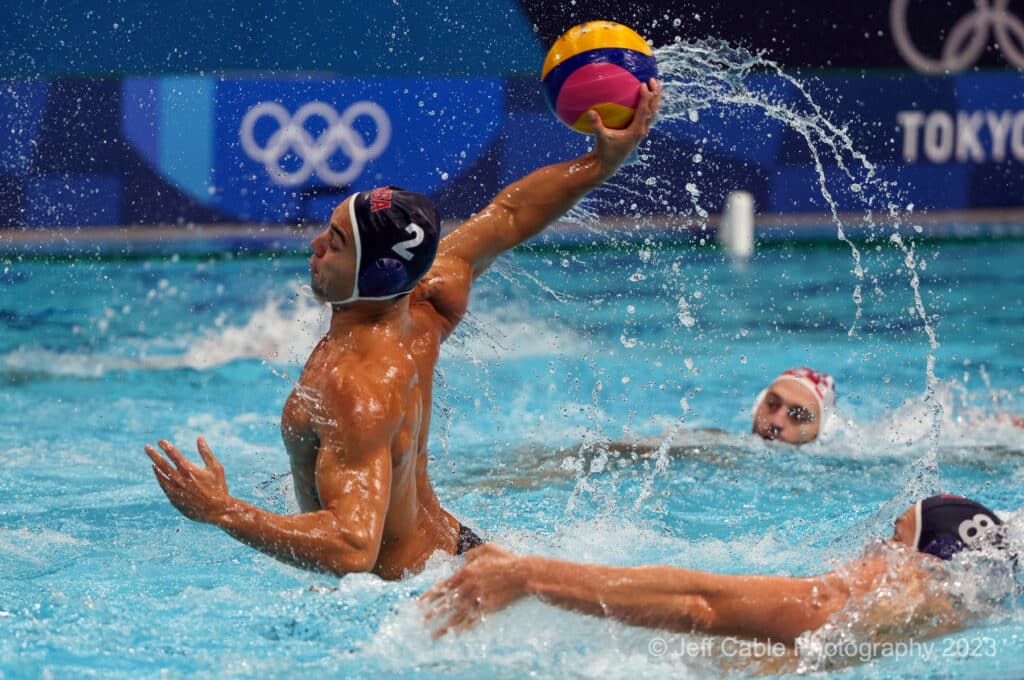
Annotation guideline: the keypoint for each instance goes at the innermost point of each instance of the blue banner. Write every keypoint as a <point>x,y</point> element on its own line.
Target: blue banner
<point>282,149</point>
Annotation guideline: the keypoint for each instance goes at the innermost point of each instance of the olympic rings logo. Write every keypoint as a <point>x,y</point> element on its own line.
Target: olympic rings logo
<point>967,39</point>
<point>292,138</point>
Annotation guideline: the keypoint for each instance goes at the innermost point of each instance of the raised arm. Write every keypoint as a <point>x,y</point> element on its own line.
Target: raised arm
<point>523,209</point>
<point>658,597</point>
<point>353,481</point>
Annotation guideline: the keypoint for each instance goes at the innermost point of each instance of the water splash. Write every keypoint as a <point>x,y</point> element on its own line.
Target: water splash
<point>713,75</point>
<point>661,456</point>
<point>897,616</point>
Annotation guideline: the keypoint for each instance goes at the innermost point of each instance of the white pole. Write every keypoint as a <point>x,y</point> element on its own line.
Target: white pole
<point>736,232</point>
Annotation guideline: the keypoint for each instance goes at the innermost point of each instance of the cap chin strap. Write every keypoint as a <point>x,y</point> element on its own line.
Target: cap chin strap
<point>355,297</point>
<point>917,528</point>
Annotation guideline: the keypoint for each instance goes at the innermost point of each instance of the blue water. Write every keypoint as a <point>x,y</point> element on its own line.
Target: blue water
<point>564,344</point>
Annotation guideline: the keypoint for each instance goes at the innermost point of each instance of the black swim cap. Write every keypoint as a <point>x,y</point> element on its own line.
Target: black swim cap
<point>396,235</point>
<point>948,524</point>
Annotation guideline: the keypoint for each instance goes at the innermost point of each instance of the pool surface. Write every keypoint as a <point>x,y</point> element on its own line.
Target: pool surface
<point>567,346</point>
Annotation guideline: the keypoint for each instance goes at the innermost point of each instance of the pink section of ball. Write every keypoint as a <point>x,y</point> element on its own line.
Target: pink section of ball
<point>596,84</point>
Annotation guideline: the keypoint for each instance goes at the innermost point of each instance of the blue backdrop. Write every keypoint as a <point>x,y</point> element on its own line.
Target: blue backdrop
<point>277,149</point>
<point>396,37</point>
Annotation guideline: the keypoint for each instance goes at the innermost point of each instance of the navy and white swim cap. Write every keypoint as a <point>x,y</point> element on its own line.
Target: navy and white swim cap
<point>948,524</point>
<point>396,233</point>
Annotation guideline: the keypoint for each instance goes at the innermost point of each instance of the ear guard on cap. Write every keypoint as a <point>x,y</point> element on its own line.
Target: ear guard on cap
<point>943,547</point>
<point>382,278</point>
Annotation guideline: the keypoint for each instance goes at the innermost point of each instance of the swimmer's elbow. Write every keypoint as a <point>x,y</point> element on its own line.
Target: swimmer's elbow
<point>350,555</point>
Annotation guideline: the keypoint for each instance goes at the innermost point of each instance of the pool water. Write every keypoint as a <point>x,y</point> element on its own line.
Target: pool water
<point>568,345</point>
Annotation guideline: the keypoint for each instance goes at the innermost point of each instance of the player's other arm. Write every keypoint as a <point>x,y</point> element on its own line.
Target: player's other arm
<point>353,481</point>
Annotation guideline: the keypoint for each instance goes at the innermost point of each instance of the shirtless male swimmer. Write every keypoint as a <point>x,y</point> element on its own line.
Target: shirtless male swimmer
<point>357,424</point>
<point>778,608</point>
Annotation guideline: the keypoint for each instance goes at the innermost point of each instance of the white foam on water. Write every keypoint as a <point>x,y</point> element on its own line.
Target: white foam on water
<point>279,332</point>
<point>285,333</point>
<point>968,421</point>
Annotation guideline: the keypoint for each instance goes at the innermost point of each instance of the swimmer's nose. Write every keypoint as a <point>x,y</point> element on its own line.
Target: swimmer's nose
<point>318,245</point>
<point>778,420</point>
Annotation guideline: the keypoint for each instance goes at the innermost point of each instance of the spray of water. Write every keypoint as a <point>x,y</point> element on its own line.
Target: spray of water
<point>698,76</point>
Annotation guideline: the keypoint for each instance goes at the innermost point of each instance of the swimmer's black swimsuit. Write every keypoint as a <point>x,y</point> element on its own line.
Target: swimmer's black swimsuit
<point>467,540</point>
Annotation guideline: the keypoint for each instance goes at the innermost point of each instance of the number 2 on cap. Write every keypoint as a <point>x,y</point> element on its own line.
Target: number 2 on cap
<point>402,248</point>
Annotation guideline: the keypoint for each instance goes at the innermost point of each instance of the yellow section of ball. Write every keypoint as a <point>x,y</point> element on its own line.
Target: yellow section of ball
<point>614,116</point>
<point>593,35</point>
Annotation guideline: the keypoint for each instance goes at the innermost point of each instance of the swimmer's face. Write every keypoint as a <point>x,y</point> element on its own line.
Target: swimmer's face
<point>788,412</point>
<point>904,528</point>
<point>332,268</point>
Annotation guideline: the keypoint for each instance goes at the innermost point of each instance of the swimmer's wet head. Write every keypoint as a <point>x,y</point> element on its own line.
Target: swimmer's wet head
<point>377,246</point>
<point>946,524</point>
<point>795,407</point>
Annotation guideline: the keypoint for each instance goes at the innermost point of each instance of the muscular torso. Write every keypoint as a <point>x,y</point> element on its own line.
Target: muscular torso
<point>395,370</point>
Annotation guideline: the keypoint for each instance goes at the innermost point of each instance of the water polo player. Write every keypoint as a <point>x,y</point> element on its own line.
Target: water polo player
<point>796,407</point>
<point>777,608</point>
<point>356,426</point>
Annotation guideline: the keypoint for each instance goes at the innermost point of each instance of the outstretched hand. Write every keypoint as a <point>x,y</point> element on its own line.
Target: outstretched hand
<point>490,580</point>
<point>199,493</point>
<point>614,146</point>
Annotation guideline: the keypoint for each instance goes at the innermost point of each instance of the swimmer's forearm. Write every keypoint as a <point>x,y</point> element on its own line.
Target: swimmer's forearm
<point>662,597</point>
<point>778,607</point>
<point>546,194</point>
<point>312,540</point>
<point>524,209</point>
